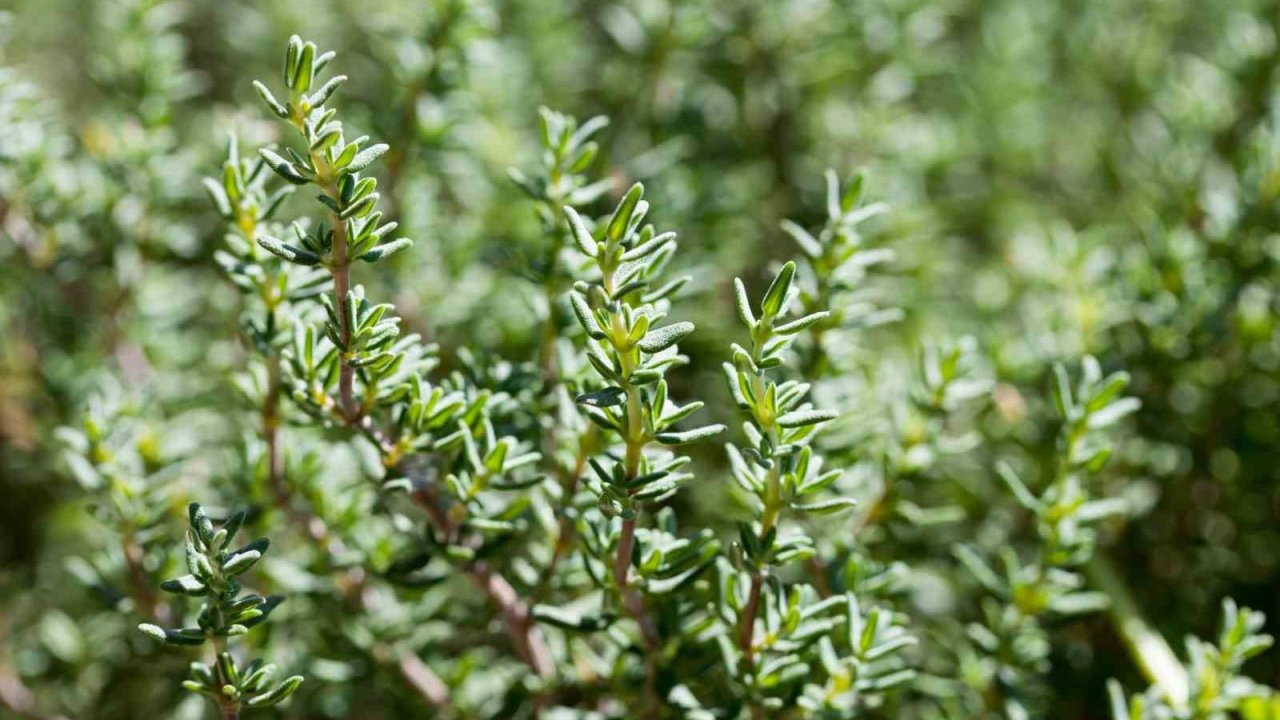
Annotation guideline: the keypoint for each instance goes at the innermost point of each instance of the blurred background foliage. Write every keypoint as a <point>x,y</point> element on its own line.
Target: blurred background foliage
<point>1066,177</point>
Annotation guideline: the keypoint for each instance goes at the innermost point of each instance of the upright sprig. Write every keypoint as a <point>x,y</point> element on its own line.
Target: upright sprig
<point>354,231</point>
<point>1217,688</point>
<point>835,260</point>
<point>779,641</point>
<point>621,312</point>
<point>213,567</point>
<point>268,285</point>
<point>1049,584</point>
<point>568,151</point>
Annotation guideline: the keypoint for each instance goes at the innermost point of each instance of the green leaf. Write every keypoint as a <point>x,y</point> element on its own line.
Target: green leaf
<point>621,218</point>
<point>853,192</point>
<point>232,526</point>
<point>585,317</point>
<point>386,250</point>
<point>803,418</point>
<point>1119,707</point>
<point>658,340</point>
<point>218,195</point>
<point>826,507</point>
<point>581,235</point>
<point>891,680</point>
<point>796,326</point>
<point>200,523</point>
<point>808,244</point>
<point>1113,413</point>
<point>649,247</point>
<point>1080,603</point>
<point>744,303</point>
<point>365,158</point>
<point>319,97</point>
<point>524,484</point>
<point>568,619</point>
<point>1062,392</point>
<point>275,106</point>
<point>291,53</point>
<point>305,71</point>
<point>980,570</point>
<point>658,490</point>
<point>588,128</point>
<point>1019,489</point>
<point>241,562</point>
<point>292,253</point>
<point>227,668</point>
<point>187,637</point>
<point>606,397</point>
<point>284,168</point>
<point>776,296</point>
<point>689,436</point>
<point>185,585</point>
<point>834,210</point>
<point>1098,509</point>
<point>278,694</point>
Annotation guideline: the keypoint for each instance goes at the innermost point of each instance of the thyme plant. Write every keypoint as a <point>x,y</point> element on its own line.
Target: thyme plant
<point>965,459</point>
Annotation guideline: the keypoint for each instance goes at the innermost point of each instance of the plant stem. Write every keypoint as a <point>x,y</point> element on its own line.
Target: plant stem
<point>341,271</point>
<point>229,707</point>
<point>423,680</point>
<point>149,604</point>
<point>354,585</point>
<point>341,286</point>
<point>1145,644</point>
<point>271,429</point>
<point>247,224</point>
<point>565,534</point>
<point>768,519</point>
<point>527,636</point>
<point>636,437</point>
<point>747,631</point>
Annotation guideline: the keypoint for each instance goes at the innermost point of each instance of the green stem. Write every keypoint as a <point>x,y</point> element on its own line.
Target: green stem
<point>636,438</point>
<point>341,286</point>
<point>1145,644</point>
<point>341,271</point>
<point>768,517</point>
<point>229,707</point>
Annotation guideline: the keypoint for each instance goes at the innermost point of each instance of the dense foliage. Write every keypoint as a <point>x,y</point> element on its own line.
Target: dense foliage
<point>632,408</point>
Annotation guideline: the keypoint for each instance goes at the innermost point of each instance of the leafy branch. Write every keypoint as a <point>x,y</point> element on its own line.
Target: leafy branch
<point>213,568</point>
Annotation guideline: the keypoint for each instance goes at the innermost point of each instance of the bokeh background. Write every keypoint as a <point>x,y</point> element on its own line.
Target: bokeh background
<point>1066,177</point>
